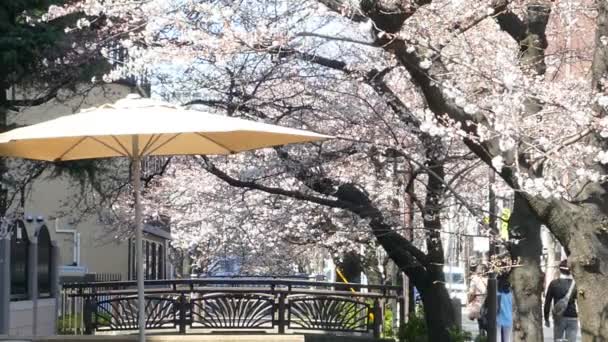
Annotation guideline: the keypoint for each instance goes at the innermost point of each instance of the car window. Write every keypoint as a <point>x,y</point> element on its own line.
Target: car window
<point>455,278</point>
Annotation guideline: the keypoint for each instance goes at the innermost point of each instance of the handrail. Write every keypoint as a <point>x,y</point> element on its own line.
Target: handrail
<point>239,281</point>
<point>168,291</point>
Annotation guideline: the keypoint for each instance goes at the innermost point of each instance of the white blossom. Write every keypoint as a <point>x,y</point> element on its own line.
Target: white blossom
<point>82,23</point>
<point>470,108</point>
<point>602,157</point>
<point>425,63</point>
<point>603,101</point>
<point>498,162</point>
<point>506,143</point>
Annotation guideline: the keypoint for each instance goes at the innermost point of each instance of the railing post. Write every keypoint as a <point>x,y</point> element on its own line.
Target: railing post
<point>33,291</point>
<point>377,310</point>
<point>282,320</point>
<point>183,320</point>
<point>402,309</point>
<point>89,314</point>
<point>55,288</point>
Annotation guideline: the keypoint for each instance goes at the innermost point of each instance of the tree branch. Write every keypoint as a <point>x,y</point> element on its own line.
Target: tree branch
<point>212,169</point>
<point>510,22</point>
<point>349,198</point>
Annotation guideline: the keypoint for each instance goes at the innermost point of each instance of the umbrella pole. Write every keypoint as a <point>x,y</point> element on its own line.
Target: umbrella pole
<point>136,174</point>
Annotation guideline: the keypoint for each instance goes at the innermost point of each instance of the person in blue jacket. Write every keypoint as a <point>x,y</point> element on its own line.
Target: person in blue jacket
<point>504,317</point>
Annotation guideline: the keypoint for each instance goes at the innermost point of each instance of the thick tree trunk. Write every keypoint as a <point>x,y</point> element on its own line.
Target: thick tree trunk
<point>438,310</point>
<point>583,228</point>
<point>583,231</point>
<point>350,268</point>
<point>592,301</point>
<point>588,258</point>
<point>526,279</point>
<point>428,278</point>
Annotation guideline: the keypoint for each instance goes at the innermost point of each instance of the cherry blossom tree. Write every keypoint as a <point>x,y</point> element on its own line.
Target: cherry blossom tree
<point>424,74</point>
<point>313,177</point>
<point>49,50</point>
<point>324,177</point>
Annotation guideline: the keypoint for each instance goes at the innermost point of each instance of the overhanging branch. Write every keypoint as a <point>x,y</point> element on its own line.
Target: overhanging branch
<point>212,169</point>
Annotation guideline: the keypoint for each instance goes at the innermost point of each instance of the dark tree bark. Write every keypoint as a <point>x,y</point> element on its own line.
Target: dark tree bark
<point>582,228</point>
<point>351,268</point>
<point>526,279</point>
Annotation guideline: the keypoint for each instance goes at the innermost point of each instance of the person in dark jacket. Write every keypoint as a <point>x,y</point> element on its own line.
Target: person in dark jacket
<point>565,326</point>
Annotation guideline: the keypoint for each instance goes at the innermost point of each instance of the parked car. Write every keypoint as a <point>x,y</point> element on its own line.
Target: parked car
<point>454,282</point>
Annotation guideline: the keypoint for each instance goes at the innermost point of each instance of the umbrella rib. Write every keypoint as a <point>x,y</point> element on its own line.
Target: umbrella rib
<point>163,144</point>
<point>153,139</point>
<point>215,142</point>
<point>122,153</point>
<point>121,145</point>
<point>71,148</point>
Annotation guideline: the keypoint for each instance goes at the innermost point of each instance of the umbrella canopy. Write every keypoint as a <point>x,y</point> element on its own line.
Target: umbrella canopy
<point>134,128</point>
<point>161,128</point>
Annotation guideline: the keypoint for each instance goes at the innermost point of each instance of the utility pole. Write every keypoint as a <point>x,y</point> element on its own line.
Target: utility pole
<point>491,289</point>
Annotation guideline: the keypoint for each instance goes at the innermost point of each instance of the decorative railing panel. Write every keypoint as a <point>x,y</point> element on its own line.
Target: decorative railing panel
<point>122,313</point>
<point>330,313</point>
<point>233,311</point>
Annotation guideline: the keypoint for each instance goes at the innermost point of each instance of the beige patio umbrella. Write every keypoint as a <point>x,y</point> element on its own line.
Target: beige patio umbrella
<point>135,128</point>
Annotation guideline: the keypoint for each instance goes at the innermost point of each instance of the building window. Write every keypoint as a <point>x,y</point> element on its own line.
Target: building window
<point>161,262</point>
<point>147,259</point>
<point>132,260</point>
<point>44,262</point>
<point>154,260</point>
<point>19,258</point>
<point>152,254</point>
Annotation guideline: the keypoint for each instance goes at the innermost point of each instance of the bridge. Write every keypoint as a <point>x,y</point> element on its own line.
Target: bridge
<point>220,305</point>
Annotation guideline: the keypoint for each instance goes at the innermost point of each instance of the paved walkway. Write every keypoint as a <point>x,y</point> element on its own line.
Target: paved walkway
<point>198,338</point>
<point>471,326</point>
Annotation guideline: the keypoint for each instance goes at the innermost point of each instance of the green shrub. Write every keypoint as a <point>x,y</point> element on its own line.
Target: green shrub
<point>414,330</point>
<point>459,335</point>
<point>480,338</point>
<point>65,324</point>
<point>387,329</point>
<point>103,318</point>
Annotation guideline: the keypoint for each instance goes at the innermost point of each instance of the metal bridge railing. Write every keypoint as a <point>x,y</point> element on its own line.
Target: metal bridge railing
<point>218,304</point>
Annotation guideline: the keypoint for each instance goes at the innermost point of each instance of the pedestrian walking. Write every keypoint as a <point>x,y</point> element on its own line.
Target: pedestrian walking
<point>561,293</point>
<point>476,295</point>
<point>504,316</point>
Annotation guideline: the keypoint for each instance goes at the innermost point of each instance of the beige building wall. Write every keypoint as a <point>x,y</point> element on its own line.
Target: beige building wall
<point>21,318</point>
<point>99,252</point>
